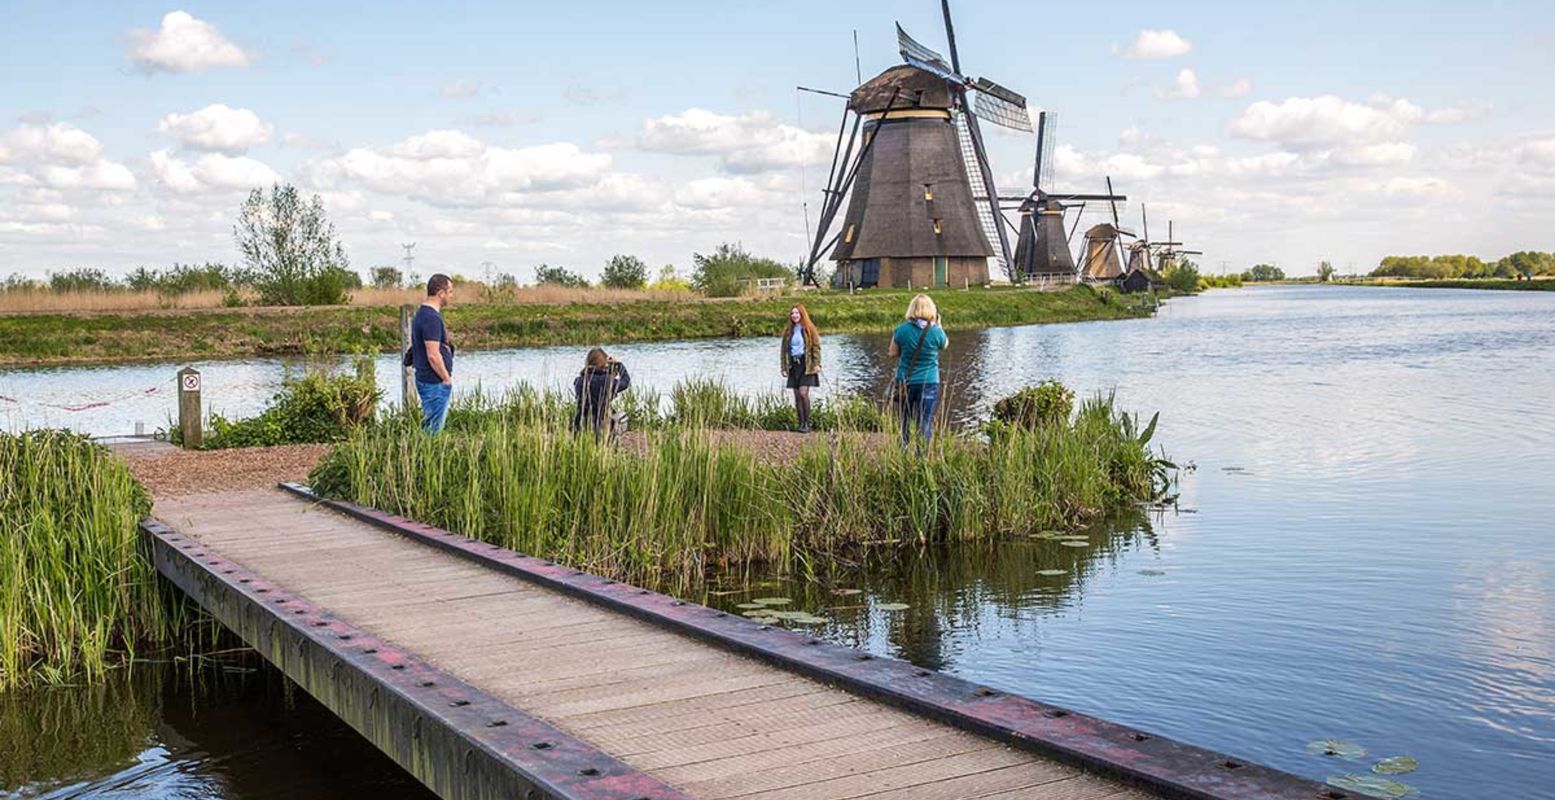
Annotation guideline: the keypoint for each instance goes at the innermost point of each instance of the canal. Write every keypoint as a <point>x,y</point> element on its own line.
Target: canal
<point>1363,549</point>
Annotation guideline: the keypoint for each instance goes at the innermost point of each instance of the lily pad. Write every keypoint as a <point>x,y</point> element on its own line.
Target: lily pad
<point>893,607</point>
<point>1075,543</point>
<point>1052,572</point>
<point>758,613</point>
<point>810,619</point>
<point>1152,572</point>
<point>772,601</point>
<point>846,592</point>
<point>1336,747</point>
<point>788,614</point>
<point>1396,765</point>
<point>1372,786</point>
<point>750,605</point>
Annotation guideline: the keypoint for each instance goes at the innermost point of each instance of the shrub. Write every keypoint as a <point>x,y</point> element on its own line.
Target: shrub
<point>669,281</point>
<point>729,271</point>
<point>387,278</point>
<point>545,274</point>
<point>625,272</point>
<point>1183,277</point>
<point>1044,404</point>
<point>320,406</point>
<point>82,280</point>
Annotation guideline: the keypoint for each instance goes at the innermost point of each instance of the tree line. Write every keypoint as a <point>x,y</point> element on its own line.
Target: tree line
<point>1526,263</point>
<point>291,256</point>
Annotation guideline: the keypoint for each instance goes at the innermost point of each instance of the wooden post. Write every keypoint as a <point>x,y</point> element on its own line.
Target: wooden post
<point>189,408</point>
<point>408,397</point>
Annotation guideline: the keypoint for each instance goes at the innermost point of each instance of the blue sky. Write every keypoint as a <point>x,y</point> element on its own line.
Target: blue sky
<point>514,134</point>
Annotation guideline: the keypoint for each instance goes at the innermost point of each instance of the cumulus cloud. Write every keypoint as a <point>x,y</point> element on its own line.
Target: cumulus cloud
<point>1307,122</point>
<point>1186,87</point>
<point>450,167</point>
<point>211,172</point>
<point>60,142</point>
<point>1152,44</point>
<point>748,143</point>
<point>184,43</point>
<point>218,128</point>
<point>60,156</point>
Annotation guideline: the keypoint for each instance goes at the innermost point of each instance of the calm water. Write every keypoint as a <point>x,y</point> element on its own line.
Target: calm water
<point>1364,550</point>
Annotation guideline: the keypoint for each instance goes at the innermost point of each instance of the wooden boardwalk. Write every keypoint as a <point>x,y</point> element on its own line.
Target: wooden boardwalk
<point>708,721</point>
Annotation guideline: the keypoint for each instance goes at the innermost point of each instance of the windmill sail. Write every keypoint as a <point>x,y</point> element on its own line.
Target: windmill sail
<point>920,56</point>
<point>985,205</point>
<point>1000,106</point>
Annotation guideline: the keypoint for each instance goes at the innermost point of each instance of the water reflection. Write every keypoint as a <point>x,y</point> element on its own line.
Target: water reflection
<point>233,730</point>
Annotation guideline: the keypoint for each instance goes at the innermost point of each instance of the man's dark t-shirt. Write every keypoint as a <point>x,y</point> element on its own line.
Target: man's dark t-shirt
<point>427,326</point>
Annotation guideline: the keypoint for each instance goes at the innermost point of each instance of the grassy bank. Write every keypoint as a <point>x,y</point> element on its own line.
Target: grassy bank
<point>63,338</point>
<point>664,512</point>
<point>76,594</point>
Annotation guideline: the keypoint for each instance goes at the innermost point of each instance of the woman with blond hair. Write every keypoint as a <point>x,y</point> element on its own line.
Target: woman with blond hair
<point>799,358</point>
<point>916,345</point>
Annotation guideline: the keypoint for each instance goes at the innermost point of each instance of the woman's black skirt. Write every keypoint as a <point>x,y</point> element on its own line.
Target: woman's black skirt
<point>797,376</point>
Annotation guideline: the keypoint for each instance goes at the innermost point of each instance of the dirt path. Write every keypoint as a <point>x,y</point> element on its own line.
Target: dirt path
<point>184,472</point>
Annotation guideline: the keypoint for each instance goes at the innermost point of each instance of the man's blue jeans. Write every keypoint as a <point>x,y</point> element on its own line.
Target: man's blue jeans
<point>918,411</point>
<point>434,404</point>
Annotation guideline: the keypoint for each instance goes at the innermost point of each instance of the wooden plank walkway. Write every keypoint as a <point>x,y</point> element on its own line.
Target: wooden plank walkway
<point>715,724</point>
<point>707,721</point>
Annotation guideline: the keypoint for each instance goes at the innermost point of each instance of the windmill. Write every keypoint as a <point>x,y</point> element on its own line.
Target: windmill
<point>1042,250</point>
<point>1166,257</point>
<point>922,208</point>
<point>1101,258</point>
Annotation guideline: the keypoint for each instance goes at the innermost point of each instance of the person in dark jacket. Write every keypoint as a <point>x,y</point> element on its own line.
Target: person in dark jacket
<point>595,387</point>
<point>799,358</point>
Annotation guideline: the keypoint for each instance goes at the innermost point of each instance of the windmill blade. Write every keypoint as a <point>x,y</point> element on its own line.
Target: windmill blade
<point>988,213</point>
<point>1076,225</point>
<point>1047,122</point>
<point>1000,106</point>
<point>1115,223</point>
<point>916,54</point>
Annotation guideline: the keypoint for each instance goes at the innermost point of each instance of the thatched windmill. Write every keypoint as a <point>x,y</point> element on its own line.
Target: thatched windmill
<point>1042,250</point>
<point>922,206</point>
<point>1101,257</point>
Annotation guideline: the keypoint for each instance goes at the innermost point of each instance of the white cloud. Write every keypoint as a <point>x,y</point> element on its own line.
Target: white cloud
<point>1151,44</point>
<point>1416,187</point>
<point>1537,155</point>
<point>748,143</point>
<point>1241,87</point>
<point>218,128</point>
<point>60,142</point>
<point>1308,122</point>
<point>1379,154</point>
<point>184,43</point>
<point>102,175</point>
<point>449,167</point>
<point>1186,87</point>
<point>211,172</point>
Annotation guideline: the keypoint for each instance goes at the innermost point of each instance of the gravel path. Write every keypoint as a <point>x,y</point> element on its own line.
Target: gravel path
<point>183,472</point>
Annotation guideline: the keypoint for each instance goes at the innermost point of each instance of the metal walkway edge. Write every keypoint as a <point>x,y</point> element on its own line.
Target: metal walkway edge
<point>603,744</point>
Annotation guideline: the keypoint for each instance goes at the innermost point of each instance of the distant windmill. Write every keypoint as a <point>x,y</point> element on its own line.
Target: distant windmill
<point>1166,256</point>
<point>922,206</point>
<point>1042,250</point>
<point>1101,257</point>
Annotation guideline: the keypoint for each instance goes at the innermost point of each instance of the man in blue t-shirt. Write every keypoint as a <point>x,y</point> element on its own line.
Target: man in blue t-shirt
<point>432,355</point>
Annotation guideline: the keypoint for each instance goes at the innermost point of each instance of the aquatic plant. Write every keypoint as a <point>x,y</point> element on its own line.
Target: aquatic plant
<point>76,594</point>
<point>663,508</point>
<point>319,406</point>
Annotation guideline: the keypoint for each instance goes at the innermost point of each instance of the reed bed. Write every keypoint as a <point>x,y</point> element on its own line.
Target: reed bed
<point>76,594</point>
<point>41,299</point>
<point>684,501</point>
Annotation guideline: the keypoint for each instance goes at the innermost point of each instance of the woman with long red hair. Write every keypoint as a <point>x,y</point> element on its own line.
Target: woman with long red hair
<point>800,360</point>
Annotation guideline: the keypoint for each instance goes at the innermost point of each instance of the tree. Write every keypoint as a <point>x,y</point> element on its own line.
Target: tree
<point>1264,272</point>
<point>387,278</point>
<point>1325,272</point>
<point>625,272</point>
<point>547,275</point>
<point>289,244</point>
<point>730,270</point>
<point>1183,276</point>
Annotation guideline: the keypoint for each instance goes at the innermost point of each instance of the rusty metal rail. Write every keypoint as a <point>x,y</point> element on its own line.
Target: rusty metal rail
<point>1158,764</point>
<point>461,742</point>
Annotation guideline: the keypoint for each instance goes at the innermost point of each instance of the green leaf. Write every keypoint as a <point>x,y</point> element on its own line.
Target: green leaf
<point>1396,765</point>
<point>1336,747</point>
<point>1144,438</point>
<point>772,601</point>
<point>893,607</point>
<point>1052,572</point>
<point>1372,786</point>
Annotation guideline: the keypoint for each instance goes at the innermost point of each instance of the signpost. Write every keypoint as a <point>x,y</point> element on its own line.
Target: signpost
<point>189,408</point>
<point>408,398</point>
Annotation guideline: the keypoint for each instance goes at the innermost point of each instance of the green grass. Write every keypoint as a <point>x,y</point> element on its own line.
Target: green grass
<point>38,339</point>
<point>77,596</point>
<point>662,514</point>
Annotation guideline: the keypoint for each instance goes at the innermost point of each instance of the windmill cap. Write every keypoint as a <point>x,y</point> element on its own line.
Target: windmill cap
<point>902,86</point>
